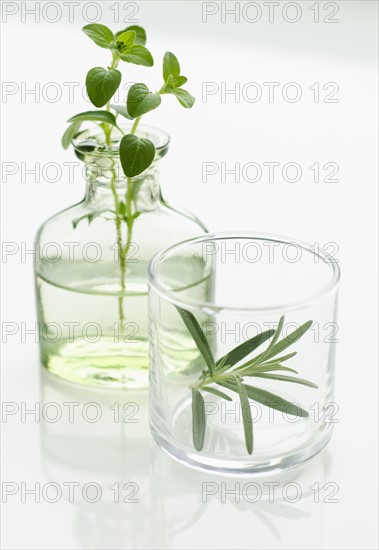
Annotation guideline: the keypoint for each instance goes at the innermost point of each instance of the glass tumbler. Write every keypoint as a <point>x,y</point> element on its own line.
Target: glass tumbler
<point>242,333</point>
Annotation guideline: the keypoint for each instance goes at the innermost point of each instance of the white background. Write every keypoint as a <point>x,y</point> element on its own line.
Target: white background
<point>170,513</point>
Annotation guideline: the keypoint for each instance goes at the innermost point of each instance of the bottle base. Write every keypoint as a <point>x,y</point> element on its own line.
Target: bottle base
<point>100,364</point>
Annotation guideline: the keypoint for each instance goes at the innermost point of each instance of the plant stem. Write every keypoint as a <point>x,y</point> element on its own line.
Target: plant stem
<point>120,251</point>
<point>199,385</point>
<point>108,127</point>
<point>129,202</point>
<point>120,130</point>
<point>136,122</point>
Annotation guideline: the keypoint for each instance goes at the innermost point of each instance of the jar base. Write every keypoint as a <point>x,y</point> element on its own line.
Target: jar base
<point>247,468</point>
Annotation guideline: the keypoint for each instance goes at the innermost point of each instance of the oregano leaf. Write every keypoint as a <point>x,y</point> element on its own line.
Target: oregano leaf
<point>125,41</point>
<point>94,116</point>
<point>121,110</point>
<point>100,34</point>
<point>136,154</point>
<point>140,34</point>
<point>101,85</point>
<point>141,101</point>
<point>185,98</point>
<point>138,55</point>
<point>69,134</point>
<point>179,81</point>
<point>170,66</point>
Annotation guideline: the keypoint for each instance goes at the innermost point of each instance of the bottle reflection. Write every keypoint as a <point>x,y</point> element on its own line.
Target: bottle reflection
<point>104,442</point>
<point>150,501</point>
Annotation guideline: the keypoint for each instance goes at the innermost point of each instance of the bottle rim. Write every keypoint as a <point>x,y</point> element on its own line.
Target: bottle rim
<point>84,137</point>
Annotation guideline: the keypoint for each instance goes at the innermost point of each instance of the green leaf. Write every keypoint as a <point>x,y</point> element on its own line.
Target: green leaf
<point>101,84</point>
<point>122,208</point>
<point>136,154</point>
<point>141,101</point>
<point>287,341</point>
<point>218,393</point>
<point>125,41</point>
<point>258,362</point>
<point>88,217</point>
<point>100,34</point>
<point>283,378</point>
<point>275,338</point>
<point>281,358</point>
<point>140,34</point>
<point>185,98</point>
<point>264,368</point>
<point>138,55</point>
<point>244,349</point>
<point>121,111</point>
<point>179,81</point>
<point>94,116</point>
<point>198,419</point>
<point>268,399</point>
<point>277,332</point>
<point>246,415</point>
<point>222,364</point>
<point>199,337</point>
<point>170,66</point>
<point>70,134</point>
<point>169,86</point>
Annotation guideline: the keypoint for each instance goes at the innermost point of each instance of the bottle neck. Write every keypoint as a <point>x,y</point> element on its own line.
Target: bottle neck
<point>107,183</point>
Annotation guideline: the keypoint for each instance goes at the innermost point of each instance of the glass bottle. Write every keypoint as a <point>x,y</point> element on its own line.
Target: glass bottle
<point>91,267</point>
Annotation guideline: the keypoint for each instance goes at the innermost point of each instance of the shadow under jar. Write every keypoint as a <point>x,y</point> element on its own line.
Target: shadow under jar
<point>91,271</point>
<point>244,385</point>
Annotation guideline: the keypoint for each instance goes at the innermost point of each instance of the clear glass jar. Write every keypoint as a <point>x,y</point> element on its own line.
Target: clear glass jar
<point>256,280</point>
<point>91,267</point>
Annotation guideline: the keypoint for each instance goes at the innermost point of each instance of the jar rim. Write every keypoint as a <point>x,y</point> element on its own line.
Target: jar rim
<point>193,304</point>
<point>159,137</point>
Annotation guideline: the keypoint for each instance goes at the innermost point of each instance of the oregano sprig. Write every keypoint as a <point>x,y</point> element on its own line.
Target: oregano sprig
<point>228,374</point>
<point>127,45</point>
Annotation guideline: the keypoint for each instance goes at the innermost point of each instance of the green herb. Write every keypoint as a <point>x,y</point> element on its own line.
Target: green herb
<point>94,116</point>
<point>173,81</point>
<point>102,83</point>
<point>229,374</point>
<point>136,154</point>
<point>141,101</point>
<point>70,133</point>
<point>198,419</point>
<point>100,34</point>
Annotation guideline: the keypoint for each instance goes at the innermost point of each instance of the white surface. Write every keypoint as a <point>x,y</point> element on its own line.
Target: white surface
<point>170,513</point>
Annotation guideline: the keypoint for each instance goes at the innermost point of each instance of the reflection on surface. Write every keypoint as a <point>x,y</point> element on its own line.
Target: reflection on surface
<point>148,500</point>
<point>110,452</point>
<point>242,512</point>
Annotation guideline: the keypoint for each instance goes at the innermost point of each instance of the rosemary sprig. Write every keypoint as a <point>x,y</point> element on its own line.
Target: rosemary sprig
<point>229,374</point>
